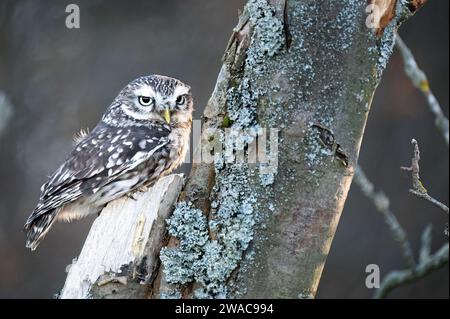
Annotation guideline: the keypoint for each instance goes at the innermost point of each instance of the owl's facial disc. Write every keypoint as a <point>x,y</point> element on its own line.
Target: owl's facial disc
<point>155,98</point>
<point>166,106</point>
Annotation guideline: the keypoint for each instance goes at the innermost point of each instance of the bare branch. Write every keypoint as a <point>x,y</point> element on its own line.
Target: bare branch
<point>430,199</point>
<point>419,80</point>
<point>427,262</point>
<point>425,244</point>
<point>400,277</point>
<point>381,202</point>
<point>418,189</point>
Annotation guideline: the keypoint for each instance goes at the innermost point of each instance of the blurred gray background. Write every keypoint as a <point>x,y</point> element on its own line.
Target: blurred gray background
<point>59,80</point>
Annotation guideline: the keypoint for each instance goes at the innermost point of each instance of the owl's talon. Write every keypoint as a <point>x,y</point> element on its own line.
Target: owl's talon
<point>142,189</point>
<point>135,193</point>
<point>132,195</point>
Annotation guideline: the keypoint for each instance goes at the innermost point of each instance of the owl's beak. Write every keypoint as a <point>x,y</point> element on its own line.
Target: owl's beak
<point>166,115</point>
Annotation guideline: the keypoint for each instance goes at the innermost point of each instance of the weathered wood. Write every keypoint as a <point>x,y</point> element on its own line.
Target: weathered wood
<point>121,250</point>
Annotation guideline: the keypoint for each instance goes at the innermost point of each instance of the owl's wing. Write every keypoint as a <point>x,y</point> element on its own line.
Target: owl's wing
<point>101,157</point>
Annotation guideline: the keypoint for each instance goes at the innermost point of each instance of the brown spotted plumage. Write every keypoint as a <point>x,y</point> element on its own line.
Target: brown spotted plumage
<point>142,136</point>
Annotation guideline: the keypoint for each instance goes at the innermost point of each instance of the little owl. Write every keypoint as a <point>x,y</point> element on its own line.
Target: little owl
<point>143,135</point>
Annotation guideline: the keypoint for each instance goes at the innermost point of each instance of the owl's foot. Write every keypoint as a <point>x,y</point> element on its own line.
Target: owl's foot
<point>134,194</point>
<point>142,189</point>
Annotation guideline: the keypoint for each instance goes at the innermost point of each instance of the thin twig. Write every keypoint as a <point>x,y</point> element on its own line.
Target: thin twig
<point>419,80</point>
<point>381,202</point>
<point>417,187</point>
<point>430,199</point>
<point>425,244</point>
<point>427,262</point>
<point>398,278</point>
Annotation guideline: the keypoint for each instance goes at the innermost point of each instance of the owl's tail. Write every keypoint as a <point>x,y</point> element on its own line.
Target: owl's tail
<point>38,228</point>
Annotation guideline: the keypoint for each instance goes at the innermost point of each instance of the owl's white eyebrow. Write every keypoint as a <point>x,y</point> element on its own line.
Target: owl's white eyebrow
<point>180,90</point>
<point>132,114</point>
<point>145,91</point>
<point>137,115</point>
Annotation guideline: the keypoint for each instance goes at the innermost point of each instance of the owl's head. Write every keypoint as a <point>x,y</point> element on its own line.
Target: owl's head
<point>149,99</point>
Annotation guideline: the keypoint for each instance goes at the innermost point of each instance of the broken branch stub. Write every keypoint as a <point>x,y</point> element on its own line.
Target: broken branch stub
<point>120,254</point>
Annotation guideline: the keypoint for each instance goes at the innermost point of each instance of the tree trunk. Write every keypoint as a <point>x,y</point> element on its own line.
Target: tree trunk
<point>301,74</point>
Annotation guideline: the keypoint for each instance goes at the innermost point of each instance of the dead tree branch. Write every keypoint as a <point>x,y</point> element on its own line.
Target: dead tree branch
<point>420,81</point>
<point>427,262</point>
<point>401,277</point>
<point>382,204</point>
<point>120,254</point>
<point>417,186</point>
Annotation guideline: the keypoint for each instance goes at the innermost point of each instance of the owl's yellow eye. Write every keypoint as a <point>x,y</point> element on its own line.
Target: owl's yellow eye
<point>145,100</point>
<point>181,100</point>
